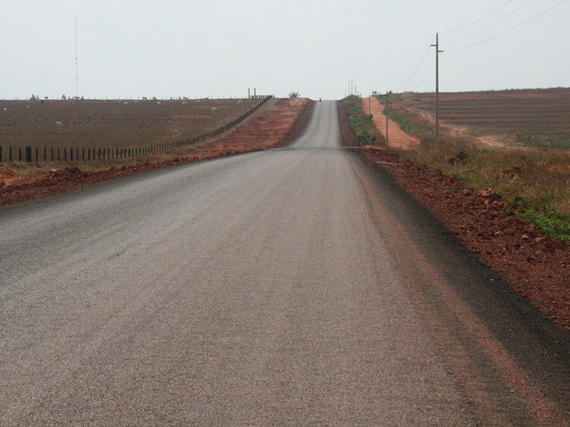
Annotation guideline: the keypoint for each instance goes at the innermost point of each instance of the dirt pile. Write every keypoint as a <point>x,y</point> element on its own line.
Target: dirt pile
<point>536,266</point>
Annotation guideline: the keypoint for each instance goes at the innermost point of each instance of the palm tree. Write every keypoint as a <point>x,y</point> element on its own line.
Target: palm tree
<point>294,95</point>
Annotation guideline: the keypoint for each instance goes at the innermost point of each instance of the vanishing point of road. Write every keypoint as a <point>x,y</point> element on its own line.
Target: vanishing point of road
<point>295,286</point>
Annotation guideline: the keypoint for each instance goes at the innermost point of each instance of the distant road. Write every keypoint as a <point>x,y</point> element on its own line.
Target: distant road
<point>296,286</point>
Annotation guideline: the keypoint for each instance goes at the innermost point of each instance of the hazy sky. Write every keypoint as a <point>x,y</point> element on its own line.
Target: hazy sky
<point>220,48</point>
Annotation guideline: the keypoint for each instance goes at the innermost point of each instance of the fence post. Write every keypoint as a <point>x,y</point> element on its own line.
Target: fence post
<point>19,154</point>
<point>0,154</point>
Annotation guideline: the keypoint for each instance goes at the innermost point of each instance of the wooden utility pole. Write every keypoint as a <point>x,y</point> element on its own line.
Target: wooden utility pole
<point>387,93</point>
<point>369,117</point>
<point>437,52</point>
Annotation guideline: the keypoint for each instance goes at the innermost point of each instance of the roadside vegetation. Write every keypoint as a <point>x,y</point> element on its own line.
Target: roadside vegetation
<point>408,122</point>
<point>360,122</point>
<point>534,178</point>
<point>536,182</point>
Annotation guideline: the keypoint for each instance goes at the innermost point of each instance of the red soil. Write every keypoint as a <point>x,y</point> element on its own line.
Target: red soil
<point>536,266</point>
<point>396,136</point>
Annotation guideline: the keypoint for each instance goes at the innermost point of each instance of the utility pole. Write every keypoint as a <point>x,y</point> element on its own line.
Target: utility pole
<point>369,117</point>
<point>387,127</point>
<point>437,52</point>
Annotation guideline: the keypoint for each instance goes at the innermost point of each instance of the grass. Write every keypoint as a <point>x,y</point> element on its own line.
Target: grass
<point>534,176</point>
<point>360,122</point>
<point>544,141</point>
<point>537,182</point>
<point>554,224</point>
<point>408,122</point>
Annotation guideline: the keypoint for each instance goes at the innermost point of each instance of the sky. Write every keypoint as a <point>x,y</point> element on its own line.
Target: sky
<point>221,48</point>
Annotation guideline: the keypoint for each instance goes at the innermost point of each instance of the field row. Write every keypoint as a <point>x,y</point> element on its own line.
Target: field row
<point>510,113</point>
<point>123,124</point>
<point>82,150</point>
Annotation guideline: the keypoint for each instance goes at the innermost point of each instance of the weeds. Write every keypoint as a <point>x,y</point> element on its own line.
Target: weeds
<point>535,176</point>
<point>537,182</point>
<point>408,121</point>
<point>359,121</point>
<point>544,141</point>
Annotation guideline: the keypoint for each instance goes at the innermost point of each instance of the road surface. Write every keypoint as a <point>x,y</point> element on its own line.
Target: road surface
<point>297,286</point>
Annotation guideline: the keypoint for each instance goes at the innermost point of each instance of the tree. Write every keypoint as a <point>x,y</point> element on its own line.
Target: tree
<point>294,95</point>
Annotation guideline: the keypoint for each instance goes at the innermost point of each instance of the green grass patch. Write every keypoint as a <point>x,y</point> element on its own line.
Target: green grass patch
<point>402,118</point>
<point>360,122</point>
<point>539,211</point>
<point>554,225</point>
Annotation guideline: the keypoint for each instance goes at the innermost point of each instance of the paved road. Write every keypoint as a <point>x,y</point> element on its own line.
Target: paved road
<point>297,286</point>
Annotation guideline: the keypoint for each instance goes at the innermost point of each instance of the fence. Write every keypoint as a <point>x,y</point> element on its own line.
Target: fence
<point>36,154</point>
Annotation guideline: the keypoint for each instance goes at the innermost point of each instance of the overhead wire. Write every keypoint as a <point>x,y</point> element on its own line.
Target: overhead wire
<point>417,68</point>
<point>425,77</point>
<point>490,25</point>
<point>508,31</point>
<point>478,20</point>
<point>479,43</point>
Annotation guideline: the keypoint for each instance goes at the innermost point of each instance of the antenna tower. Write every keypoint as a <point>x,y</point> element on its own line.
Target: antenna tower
<point>76,64</point>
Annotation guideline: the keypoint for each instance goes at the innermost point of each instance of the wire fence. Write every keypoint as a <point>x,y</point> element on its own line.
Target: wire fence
<point>31,154</point>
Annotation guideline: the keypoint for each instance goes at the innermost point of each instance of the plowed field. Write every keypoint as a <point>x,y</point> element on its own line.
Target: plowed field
<point>113,123</point>
<point>275,124</point>
<point>539,117</point>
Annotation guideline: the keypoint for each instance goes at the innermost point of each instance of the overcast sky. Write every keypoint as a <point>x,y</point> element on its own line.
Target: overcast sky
<point>220,48</point>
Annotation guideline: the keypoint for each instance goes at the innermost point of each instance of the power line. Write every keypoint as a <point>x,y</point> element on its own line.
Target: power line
<point>490,25</point>
<point>506,32</point>
<point>417,68</point>
<point>425,77</point>
<point>478,20</point>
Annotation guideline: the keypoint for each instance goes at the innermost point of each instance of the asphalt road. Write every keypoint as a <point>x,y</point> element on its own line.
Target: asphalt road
<point>297,286</point>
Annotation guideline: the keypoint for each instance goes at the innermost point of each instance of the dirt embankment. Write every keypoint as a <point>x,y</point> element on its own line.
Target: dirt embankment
<point>536,266</point>
<point>274,125</point>
<point>397,138</point>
